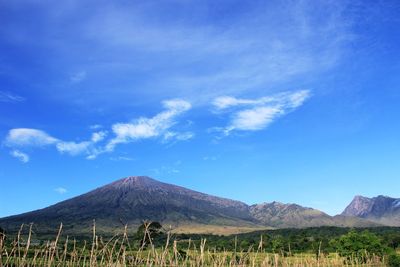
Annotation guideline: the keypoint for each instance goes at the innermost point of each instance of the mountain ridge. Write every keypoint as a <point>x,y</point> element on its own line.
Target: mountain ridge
<point>380,209</point>
<point>132,199</point>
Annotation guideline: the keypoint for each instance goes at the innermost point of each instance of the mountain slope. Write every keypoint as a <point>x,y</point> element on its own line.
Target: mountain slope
<point>281,215</point>
<point>381,209</point>
<point>134,199</point>
<point>277,214</point>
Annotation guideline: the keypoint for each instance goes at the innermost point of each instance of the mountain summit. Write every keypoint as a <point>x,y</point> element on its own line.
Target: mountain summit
<point>380,209</point>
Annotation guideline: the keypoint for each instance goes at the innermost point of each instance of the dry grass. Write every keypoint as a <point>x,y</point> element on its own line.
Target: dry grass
<point>117,251</point>
<point>216,229</point>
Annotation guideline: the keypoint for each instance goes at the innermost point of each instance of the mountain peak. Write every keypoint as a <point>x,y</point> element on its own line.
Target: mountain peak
<point>291,215</point>
<point>359,206</point>
<point>134,182</point>
<point>360,197</point>
<point>380,208</point>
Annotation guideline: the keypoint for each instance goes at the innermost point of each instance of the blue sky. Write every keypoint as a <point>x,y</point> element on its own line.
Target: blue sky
<point>259,101</point>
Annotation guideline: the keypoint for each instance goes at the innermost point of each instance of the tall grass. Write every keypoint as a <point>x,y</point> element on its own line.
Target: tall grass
<point>119,251</point>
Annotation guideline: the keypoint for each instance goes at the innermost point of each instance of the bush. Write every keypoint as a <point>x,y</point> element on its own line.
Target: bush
<point>394,260</point>
<point>148,231</point>
<point>359,246</point>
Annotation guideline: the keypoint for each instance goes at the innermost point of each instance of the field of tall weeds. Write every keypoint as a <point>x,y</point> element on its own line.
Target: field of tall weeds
<point>22,250</point>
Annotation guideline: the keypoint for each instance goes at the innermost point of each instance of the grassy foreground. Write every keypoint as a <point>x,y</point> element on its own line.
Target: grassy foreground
<point>121,250</point>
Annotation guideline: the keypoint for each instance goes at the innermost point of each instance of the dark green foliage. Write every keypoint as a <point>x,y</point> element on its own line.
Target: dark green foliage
<point>359,246</point>
<point>394,260</point>
<point>393,240</point>
<point>148,231</point>
<point>316,240</point>
<point>278,244</point>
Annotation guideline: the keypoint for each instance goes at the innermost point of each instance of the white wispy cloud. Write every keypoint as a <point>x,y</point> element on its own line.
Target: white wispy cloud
<point>257,114</point>
<point>73,148</point>
<point>178,136</point>
<point>98,136</point>
<point>10,97</point>
<point>26,137</point>
<point>144,128</point>
<point>255,118</point>
<point>224,102</point>
<point>268,44</point>
<point>121,158</point>
<point>95,126</point>
<point>29,137</point>
<point>78,77</point>
<point>85,147</point>
<point>61,190</point>
<point>20,155</point>
<point>212,158</point>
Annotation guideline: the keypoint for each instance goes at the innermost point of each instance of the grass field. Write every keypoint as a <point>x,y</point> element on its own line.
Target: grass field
<point>120,250</point>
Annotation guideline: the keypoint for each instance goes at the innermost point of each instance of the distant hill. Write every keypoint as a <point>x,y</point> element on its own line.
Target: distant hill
<point>381,209</point>
<point>280,215</point>
<point>134,199</point>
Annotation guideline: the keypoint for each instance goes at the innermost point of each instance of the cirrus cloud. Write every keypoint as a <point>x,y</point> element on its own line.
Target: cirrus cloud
<point>29,137</point>
<point>61,190</point>
<point>159,125</point>
<point>144,128</point>
<point>257,114</point>
<point>24,158</point>
<point>10,97</point>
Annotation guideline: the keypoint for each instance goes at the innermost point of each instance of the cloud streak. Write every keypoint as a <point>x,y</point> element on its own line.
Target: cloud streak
<point>144,128</point>
<point>29,137</point>
<point>61,190</point>
<point>158,126</point>
<point>85,147</point>
<point>244,115</point>
<point>188,51</point>
<point>257,114</point>
<point>24,158</point>
<point>78,77</point>
<point>10,97</point>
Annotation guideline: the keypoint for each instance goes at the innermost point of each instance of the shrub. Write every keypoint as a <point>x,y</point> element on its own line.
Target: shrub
<point>394,260</point>
<point>148,231</point>
<point>359,246</point>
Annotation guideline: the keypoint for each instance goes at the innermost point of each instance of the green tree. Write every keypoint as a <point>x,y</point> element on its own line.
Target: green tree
<point>147,231</point>
<point>359,246</point>
<point>278,244</point>
<point>393,240</point>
